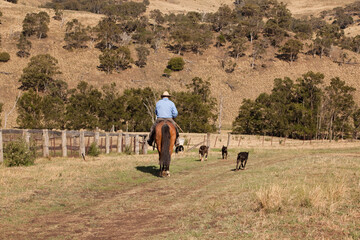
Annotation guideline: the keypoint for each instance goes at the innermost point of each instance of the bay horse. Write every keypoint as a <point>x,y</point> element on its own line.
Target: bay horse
<point>165,140</point>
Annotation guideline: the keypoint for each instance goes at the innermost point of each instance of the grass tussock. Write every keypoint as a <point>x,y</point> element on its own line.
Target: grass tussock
<point>271,199</point>
<point>326,197</point>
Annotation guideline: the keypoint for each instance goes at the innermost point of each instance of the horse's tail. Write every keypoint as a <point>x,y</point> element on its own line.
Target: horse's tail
<point>165,145</point>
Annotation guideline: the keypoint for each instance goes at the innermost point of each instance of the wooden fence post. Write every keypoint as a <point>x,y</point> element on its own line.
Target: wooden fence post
<point>228,141</point>
<point>127,140</point>
<point>26,135</point>
<point>119,142</point>
<point>63,143</point>
<point>137,144</point>
<point>208,140</point>
<point>97,136</point>
<point>82,144</point>
<point>45,142</point>
<point>145,146</point>
<point>1,147</point>
<point>107,143</point>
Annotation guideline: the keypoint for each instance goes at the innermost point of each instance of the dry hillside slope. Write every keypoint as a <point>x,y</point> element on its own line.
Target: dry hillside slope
<point>82,64</point>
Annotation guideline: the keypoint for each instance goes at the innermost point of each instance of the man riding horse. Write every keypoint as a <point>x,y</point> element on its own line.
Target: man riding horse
<point>165,110</point>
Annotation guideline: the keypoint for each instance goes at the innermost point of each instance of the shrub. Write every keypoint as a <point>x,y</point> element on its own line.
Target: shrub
<point>127,150</point>
<point>94,150</point>
<point>19,153</point>
<point>167,72</point>
<point>176,64</point>
<point>4,57</point>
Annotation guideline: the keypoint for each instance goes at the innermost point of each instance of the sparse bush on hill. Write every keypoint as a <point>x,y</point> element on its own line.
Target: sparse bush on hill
<point>291,49</point>
<point>142,54</point>
<point>36,24</point>
<point>176,64</point>
<point>12,1</point>
<point>118,59</point>
<point>108,33</point>
<point>19,153</point>
<point>59,13</point>
<point>76,35</point>
<point>4,57</point>
<point>342,19</point>
<point>238,47</point>
<point>24,47</point>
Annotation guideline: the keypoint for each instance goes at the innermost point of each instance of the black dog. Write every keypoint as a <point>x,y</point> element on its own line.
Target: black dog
<point>242,159</point>
<point>179,148</point>
<point>224,152</point>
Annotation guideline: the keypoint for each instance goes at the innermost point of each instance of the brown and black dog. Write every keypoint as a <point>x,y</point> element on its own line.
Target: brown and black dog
<point>242,159</point>
<point>203,152</point>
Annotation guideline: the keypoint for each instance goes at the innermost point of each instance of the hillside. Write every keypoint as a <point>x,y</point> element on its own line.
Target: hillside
<point>244,82</point>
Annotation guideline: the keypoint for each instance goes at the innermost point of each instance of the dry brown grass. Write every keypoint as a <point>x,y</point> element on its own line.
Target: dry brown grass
<point>302,193</point>
<point>82,64</point>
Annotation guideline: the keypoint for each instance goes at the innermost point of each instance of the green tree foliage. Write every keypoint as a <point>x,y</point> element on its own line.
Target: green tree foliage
<point>36,24</point>
<point>113,109</point>
<point>281,15</point>
<point>176,64</point>
<point>24,46</point>
<point>340,105</point>
<point>142,54</point>
<point>139,108</point>
<point>83,108</point>
<point>39,73</point>
<point>4,57</point>
<point>291,49</point>
<point>29,108</point>
<point>222,18</point>
<point>196,107</point>
<point>118,59</point>
<point>76,35</point>
<point>302,28</point>
<point>300,109</point>
<point>125,10</point>
<point>157,16</point>
<point>274,32</point>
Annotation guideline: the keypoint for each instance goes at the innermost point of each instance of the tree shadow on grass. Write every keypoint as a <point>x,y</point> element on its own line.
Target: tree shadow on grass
<point>149,169</point>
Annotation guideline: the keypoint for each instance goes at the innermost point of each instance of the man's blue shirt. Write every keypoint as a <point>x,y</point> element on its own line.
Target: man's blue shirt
<point>165,108</point>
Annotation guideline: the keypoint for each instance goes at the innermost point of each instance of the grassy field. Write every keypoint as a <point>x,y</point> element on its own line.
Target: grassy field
<point>282,194</point>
